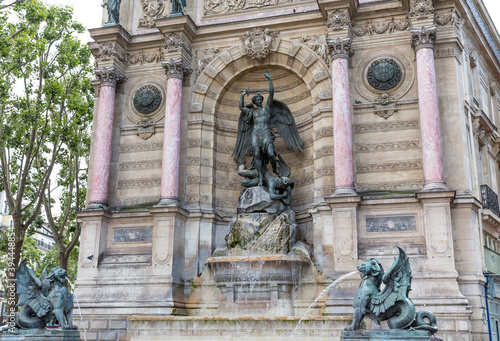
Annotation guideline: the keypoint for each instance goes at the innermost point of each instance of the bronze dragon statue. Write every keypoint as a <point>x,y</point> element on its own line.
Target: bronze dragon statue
<point>44,301</point>
<point>390,304</point>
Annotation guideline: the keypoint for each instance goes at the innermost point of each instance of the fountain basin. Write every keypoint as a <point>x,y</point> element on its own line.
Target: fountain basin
<point>257,285</point>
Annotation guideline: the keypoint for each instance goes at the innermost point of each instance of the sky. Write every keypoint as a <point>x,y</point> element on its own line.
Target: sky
<point>88,12</point>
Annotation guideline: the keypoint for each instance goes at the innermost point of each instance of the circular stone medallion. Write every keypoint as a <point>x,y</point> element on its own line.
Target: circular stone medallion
<point>147,99</point>
<point>384,74</point>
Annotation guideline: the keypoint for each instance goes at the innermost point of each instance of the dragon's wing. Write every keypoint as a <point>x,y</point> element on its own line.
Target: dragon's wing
<point>397,285</point>
<point>244,138</point>
<point>28,287</point>
<point>282,120</point>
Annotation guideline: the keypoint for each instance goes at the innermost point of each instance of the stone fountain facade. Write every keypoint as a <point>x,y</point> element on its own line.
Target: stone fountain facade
<point>381,92</point>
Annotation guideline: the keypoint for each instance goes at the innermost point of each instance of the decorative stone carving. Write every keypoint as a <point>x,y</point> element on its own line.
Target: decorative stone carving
<point>420,9</point>
<point>106,51</point>
<point>203,61</point>
<point>384,74</point>
<point>212,7</point>
<point>176,68</point>
<point>147,99</point>
<point>152,9</point>
<point>175,42</point>
<point>145,57</point>
<point>452,18</point>
<point>423,37</point>
<point>145,128</point>
<point>380,28</point>
<point>384,106</point>
<point>338,20</point>
<point>340,48</point>
<point>258,42</point>
<point>318,44</point>
<point>109,76</point>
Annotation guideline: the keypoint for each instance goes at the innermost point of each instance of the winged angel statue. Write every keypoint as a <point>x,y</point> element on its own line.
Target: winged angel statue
<point>43,301</point>
<point>255,137</point>
<point>391,303</point>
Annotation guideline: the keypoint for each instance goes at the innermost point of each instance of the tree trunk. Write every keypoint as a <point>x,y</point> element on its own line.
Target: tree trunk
<point>14,256</point>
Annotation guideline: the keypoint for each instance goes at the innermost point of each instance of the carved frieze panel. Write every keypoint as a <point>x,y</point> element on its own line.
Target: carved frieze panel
<point>134,165</point>
<point>152,9</point>
<point>140,147</point>
<point>388,166</point>
<point>370,28</point>
<point>258,43</point>
<point>144,57</point>
<point>389,186</point>
<point>212,7</point>
<point>386,146</point>
<point>386,126</point>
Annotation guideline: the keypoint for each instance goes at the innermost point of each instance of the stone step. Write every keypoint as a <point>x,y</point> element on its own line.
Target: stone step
<point>148,328</point>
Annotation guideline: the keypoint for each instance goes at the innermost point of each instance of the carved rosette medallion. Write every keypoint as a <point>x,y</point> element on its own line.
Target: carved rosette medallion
<point>340,48</point>
<point>176,68</point>
<point>384,74</point>
<point>147,99</point>
<point>423,37</point>
<point>258,43</point>
<point>176,42</point>
<point>152,9</point>
<point>109,76</point>
<point>338,20</point>
<point>420,9</point>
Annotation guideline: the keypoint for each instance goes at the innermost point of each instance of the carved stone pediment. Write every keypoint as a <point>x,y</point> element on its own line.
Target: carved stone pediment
<point>258,43</point>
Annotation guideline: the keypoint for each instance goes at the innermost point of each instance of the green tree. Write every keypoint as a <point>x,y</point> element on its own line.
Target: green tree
<point>45,110</point>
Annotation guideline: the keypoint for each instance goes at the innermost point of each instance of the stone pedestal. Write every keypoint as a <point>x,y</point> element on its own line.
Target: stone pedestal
<point>58,334</point>
<point>386,335</point>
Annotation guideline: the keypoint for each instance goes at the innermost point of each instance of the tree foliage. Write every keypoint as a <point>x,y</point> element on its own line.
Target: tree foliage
<point>45,113</point>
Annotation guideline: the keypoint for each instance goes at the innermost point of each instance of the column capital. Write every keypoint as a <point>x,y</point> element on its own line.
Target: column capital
<point>109,76</point>
<point>424,37</point>
<point>177,68</point>
<point>340,48</point>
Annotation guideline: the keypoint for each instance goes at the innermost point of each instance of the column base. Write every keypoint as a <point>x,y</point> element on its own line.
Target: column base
<point>344,192</point>
<point>435,186</point>
<point>97,206</point>
<point>168,202</point>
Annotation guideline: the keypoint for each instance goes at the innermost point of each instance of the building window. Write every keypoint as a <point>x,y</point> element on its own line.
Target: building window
<point>490,243</point>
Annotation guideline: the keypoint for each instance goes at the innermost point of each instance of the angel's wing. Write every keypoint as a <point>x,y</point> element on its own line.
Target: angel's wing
<point>397,285</point>
<point>28,287</point>
<point>282,120</point>
<point>244,138</point>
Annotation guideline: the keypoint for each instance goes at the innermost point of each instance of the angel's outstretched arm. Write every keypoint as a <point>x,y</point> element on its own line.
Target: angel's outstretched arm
<point>243,108</point>
<point>271,90</point>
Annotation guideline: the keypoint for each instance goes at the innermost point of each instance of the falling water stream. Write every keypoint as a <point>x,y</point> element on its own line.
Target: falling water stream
<point>79,309</point>
<point>325,291</point>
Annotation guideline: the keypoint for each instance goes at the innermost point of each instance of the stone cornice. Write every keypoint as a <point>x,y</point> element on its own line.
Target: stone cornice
<point>340,48</point>
<point>177,68</point>
<point>109,76</point>
<point>424,37</point>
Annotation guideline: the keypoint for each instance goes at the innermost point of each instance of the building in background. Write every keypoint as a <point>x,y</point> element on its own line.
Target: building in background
<point>398,105</point>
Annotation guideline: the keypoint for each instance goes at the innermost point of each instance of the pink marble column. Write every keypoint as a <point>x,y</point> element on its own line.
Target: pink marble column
<point>430,131</point>
<point>101,154</point>
<point>175,69</point>
<point>340,51</point>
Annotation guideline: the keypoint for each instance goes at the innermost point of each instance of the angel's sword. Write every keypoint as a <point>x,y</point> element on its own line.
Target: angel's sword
<point>248,91</point>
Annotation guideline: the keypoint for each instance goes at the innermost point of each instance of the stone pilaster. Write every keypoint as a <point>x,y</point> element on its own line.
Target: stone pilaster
<point>340,50</point>
<point>430,131</point>
<point>175,70</point>
<point>101,153</point>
